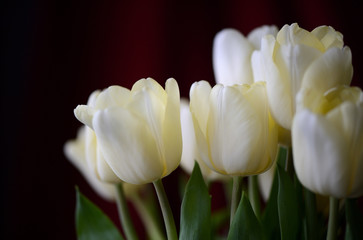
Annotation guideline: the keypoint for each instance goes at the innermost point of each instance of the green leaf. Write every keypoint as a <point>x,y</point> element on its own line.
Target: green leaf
<point>289,209</point>
<point>245,224</point>
<point>195,217</point>
<point>92,223</point>
<point>354,220</point>
<point>270,217</point>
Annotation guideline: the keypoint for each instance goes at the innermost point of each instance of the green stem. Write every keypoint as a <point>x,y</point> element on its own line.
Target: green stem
<point>333,218</point>
<point>148,218</point>
<point>311,214</point>
<point>124,214</point>
<point>236,196</point>
<point>253,194</point>
<point>166,210</point>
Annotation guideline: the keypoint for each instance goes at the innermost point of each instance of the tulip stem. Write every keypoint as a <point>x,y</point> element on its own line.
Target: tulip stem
<point>333,219</point>
<point>124,213</point>
<point>253,194</point>
<point>166,211</point>
<point>236,196</point>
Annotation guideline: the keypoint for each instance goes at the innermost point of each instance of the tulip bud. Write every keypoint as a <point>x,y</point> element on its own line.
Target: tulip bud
<point>327,137</point>
<point>234,131</point>
<point>298,59</point>
<point>232,54</point>
<point>138,131</point>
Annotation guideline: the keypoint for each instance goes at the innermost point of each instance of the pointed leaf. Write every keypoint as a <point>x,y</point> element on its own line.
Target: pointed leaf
<point>288,206</point>
<point>92,223</point>
<point>245,224</point>
<point>195,217</point>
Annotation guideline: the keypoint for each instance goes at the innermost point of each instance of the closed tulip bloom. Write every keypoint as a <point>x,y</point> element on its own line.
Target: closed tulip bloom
<point>232,54</point>
<point>75,152</point>
<point>234,131</point>
<point>298,59</point>
<point>190,152</point>
<point>138,131</point>
<point>328,142</point>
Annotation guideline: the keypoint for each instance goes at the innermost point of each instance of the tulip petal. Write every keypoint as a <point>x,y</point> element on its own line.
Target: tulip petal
<point>113,96</point>
<point>256,34</point>
<point>294,35</point>
<point>152,85</point>
<point>199,103</point>
<point>128,145</point>
<point>329,37</point>
<point>277,87</point>
<point>84,114</point>
<point>333,68</point>
<point>348,117</point>
<point>190,152</point>
<point>104,170</point>
<point>231,58</point>
<point>318,149</point>
<point>231,116</point>
<point>171,128</point>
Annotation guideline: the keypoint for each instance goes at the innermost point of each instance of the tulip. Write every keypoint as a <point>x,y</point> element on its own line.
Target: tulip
<point>190,152</point>
<point>232,54</point>
<point>138,131</point>
<point>75,152</point>
<point>298,59</point>
<point>327,135</point>
<point>234,131</point>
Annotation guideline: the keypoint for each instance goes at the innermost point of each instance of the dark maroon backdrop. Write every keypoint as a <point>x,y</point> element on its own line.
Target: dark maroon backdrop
<point>55,53</point>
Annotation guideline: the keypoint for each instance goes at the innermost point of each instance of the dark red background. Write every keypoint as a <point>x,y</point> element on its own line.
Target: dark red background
<point>55,53</point>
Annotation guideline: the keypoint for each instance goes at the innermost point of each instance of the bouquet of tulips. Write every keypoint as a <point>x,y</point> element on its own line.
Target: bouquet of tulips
<point>282,129</point>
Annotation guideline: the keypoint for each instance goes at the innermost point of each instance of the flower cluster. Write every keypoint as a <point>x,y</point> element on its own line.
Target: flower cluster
<point>287,88</point>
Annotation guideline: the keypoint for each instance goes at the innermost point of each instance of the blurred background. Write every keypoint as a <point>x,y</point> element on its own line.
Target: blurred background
<point>55,53</point>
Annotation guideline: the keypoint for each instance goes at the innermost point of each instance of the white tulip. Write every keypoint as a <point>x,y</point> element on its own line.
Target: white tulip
<point>138,131</point>
<point>328,142</point>
<point>234,131</point>
<point>298,59</point>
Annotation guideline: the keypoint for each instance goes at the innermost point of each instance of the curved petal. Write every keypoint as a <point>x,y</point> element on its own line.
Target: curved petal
<point>333,68</point>
<point>84,114</point>
<point>113,96</point>
<point>329,37</point>
<point>171,134</point>
<point>233,129</point>
<point>348,117</point>
<point>231,58</point>
<point>152,86</point>
<point>105,173</point>
<point>128,146</point>
<point>294,35</point>
<point>75,152</point>
<point>256,34</point>
<point>319,152</point>
<point>199,103</point>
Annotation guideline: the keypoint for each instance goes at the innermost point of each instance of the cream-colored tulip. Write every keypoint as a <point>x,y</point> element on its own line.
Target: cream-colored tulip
<point>327,142</point>
<point>232,54</point>
<point>234,131</point>
<point>138,131</point>
<point>75,152</point>
<point>190,152</point>
<point>298,59</point>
